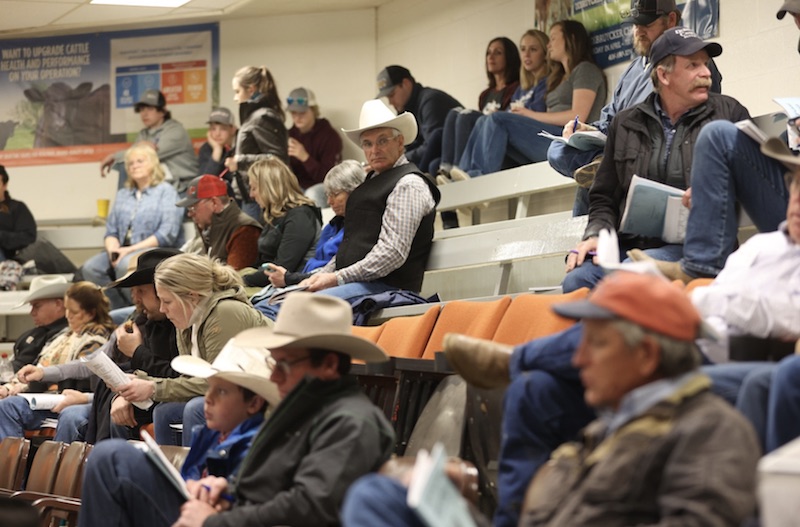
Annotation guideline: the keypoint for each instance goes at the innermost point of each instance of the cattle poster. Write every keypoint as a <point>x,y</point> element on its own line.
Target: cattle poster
<point>69,99</point>
<point>611,39</point>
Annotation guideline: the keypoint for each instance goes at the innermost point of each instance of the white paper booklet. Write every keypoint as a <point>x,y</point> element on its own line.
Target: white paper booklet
<point>42,401</point>
<point>433,496</point>
<point>655,210</point>
<point>105,368</point>
<point>763,127</point>
<point>154,454</point>
<point>790,105</point>
<point>588,140</point>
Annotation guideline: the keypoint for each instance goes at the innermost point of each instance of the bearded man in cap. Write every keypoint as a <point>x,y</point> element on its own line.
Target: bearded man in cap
<point>388,225</point>
<point>323,435</point>
<point>663,451</point>
<point>224,232</point>
<point>655,140</point>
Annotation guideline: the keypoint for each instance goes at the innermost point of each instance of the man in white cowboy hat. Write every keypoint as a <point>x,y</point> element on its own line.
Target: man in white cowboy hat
<point>126,489</point>
<point>389,222</point>
<point>323,435</point>
<point>48,313</point>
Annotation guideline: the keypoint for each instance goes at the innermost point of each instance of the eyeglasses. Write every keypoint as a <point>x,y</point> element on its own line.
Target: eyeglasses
<point>333,194</point>
<point>380,143</point>
<point>302,101</point>
<point>285,366</point>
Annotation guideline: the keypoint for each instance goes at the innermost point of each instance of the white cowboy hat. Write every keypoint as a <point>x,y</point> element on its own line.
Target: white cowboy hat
<point>248,367</point>
<point>308,320</point>
<point>375,114</point>
<point>46,286</point>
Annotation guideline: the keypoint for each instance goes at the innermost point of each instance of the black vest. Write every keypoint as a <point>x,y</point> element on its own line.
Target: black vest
<point>363,222</point>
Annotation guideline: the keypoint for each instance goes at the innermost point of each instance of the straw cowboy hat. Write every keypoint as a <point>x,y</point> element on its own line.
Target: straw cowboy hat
<point>46,287</point>
<point>247,367</point>
<point>375,114</point>
<point>308,320</point>
<point>777,149</point>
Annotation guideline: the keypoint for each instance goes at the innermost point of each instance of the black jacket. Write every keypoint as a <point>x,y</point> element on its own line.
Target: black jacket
<point>17,226</point>
<point>636,144</point>
<point>430,107</point>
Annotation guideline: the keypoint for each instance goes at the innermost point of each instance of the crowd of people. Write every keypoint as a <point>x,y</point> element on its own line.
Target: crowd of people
<point>638,414</point>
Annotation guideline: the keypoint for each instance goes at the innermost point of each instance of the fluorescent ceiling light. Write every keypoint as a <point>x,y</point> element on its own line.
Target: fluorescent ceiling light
<point>142,3</point>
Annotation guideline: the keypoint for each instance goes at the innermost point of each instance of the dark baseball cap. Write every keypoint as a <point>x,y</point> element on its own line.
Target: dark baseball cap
<point>152,98</point>
<point>389,77</point>
<point>645,12</point>
<point>142,269</point>
<point>220,116</point>
<point>790,6</point>
<point>683,42</point>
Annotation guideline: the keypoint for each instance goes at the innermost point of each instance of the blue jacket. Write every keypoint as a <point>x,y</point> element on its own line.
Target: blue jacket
<point>221,459</point>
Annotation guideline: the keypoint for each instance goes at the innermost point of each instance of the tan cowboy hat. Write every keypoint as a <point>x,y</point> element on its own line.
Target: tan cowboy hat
<point>248,367</point>
<point>46,286</point>
<point>375,114</point>
<point>777,149</point>
<point>308,320</point>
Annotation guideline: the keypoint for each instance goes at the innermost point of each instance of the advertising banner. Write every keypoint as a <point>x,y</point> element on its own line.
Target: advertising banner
<point>70,99</point>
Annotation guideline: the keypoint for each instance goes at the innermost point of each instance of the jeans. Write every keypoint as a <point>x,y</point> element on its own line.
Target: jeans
<point>745,385</point>
<point>458,125</point>
<point>588,274</point>
<point>504,134</point>
<point>72,423</point>
<point>375,499</point>
<point>16,416</point>
<point>727,168</point>
<point>189,413</point>
<point>95,270</point>
<point>783,413</point>
<point>543,407</point>
<point>428,156</point>
<point>345,292</point>
<point>566,159</point>
<point>125,489</point>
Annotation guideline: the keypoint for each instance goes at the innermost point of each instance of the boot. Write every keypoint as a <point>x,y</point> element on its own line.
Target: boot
<point>480,362</point>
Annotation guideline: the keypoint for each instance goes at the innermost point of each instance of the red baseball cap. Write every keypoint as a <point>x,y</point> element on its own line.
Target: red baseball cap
<point>650,301</point>
<point>202,187</point>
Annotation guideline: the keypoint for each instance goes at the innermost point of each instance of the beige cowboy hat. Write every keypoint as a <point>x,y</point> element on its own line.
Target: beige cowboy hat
<point>248,367</point>
<point>777,149</point>
<point>46,286</point>
<point>375,114</point>
<point>308,320</point>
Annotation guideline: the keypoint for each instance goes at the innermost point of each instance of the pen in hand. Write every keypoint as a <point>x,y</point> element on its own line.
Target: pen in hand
<point>225,496</point>
<point>575,124</point>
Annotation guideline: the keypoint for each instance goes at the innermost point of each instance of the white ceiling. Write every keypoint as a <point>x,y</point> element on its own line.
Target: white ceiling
<point>53,17</point>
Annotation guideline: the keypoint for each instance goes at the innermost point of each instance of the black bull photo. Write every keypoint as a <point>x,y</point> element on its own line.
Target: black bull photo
<point>72,116</point>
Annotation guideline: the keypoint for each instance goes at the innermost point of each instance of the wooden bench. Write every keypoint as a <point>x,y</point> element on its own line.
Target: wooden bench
<point>516,185</point>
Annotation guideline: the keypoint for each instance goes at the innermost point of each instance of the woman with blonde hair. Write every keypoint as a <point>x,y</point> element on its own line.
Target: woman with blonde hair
<point>89,327</point>
<point>292,220</point>
<point>144,216</point>
<point>207,304</point>
<point>261,131</point>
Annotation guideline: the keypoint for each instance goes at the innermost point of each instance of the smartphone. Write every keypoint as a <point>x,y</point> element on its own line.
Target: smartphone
<point>267,267</point>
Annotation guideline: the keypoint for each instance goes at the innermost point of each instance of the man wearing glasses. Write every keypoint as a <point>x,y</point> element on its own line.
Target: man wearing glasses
<point>224,232</point>
<point>323,435</point>
<point>388,226</point>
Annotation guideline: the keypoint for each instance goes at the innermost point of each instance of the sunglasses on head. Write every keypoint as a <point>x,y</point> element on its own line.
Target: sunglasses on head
<point>302,101</point>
